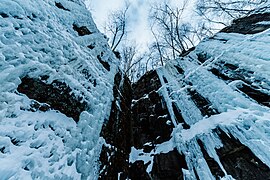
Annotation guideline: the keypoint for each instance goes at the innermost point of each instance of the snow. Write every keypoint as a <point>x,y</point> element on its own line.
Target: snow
<point>138,154</point>
<point>37,39</point>
<point>207,124</point>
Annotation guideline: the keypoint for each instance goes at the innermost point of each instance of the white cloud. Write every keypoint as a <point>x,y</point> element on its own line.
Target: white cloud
<point>138,16</point>
<point>101,8</point>
<point>138,12</point>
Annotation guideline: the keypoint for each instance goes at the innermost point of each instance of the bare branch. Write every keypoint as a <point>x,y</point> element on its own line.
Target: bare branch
<point>117,26</point>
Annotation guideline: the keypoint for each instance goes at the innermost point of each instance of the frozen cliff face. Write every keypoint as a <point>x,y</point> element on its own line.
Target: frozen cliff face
<point>217,101</point>
<point>56,88</point>
<point>202,116</point>
<point>67,112</point>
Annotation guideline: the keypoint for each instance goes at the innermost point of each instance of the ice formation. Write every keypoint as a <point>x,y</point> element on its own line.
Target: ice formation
<point>52,41</point>
<point>66,112</point>
<point>218,99</point>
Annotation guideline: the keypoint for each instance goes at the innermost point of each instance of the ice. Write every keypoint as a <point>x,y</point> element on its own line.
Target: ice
<point>36,39</point>
<point>263,23</point>
<point>237,114</point>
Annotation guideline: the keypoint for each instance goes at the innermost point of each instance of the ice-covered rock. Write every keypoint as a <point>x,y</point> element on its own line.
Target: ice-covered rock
<point>67,111</point>
<point>217,100</point>
<point>57,77</point>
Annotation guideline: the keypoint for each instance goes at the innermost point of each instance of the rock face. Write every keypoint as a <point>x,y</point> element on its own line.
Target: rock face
<point>239,160</point>
<point>117,133</point>
<point>151,123</point>
<point>56,96</point>
<point>168,166</point>
<point>57,77</point>
<point>249,25</point>
<point>196,117</point>
<point>68,112</point>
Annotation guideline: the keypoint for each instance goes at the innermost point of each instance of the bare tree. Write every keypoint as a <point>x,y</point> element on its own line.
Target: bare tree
<point>116,27</point>
<point>158,47</point>
<point>131,60</point>
<point>172,35</point>
<point>224,11</point>
<point>127,52</point>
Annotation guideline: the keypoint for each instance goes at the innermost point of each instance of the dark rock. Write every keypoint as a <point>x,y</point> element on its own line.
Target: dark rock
<point>149,80</point>
<point>149,115</point>
<point>168,166</point>
<point>154,97</point>
<point>4,15</point>
<point>137,171</point>
<point>117,54</point>
<point>255,94</point>
<point>113,162</point>
<point>159,108</point>
<point>179,117</point>
<point>179,69</point>
<point>104,64</point>
<point>82,31</point>
<point>117,132</point>
<point>248,25</point>
<point>57,96</point>
<point>212,164</point>
<point>202,103</point>
<point>145,121</point>
<point>60,6</point>
<point>239,161</point>
<point>91,46</point>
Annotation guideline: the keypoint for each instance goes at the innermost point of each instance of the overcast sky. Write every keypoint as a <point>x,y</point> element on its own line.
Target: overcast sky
<point>137,14</point>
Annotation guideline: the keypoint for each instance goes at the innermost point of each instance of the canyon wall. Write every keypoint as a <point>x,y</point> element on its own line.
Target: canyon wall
<point>67,111</point>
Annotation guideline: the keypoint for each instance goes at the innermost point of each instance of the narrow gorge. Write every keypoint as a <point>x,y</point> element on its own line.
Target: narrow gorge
<point>67,111</point>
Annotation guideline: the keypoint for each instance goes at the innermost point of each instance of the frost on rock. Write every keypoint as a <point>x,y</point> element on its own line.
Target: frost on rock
<point>55,93</point>
<point>217,99</point>
<point>67,111</point>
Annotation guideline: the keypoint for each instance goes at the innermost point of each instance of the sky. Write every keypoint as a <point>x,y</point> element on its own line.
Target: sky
<point>137,13</point>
